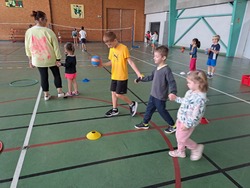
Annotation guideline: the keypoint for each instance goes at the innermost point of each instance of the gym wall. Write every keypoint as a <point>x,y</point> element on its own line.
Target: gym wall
<point>59,15</point>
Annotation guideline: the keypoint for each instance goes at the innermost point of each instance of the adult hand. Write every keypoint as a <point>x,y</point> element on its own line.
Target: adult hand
<point>58,63</point>
<point>30,65</point>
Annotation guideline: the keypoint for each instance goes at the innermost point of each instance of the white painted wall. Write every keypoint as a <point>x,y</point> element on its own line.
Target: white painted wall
<point>156,6</point>
<point>156,11</point>
<point>243,47</point>
<point>221,25</point>
<point>158,17</point>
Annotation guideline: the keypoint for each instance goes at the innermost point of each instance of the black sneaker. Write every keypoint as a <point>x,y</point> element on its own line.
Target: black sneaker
<point>112,112</point>
<point>170,129</point>
<point>142,126</point>
<point>133,108</point>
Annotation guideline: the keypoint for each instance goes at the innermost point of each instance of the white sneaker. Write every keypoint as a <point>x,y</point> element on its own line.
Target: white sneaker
<point>196,154</point>
<point>61,95</point>
<point>46,98</point>
<point>133,108</point>
<point>182,73</point>
<point>177,153</point>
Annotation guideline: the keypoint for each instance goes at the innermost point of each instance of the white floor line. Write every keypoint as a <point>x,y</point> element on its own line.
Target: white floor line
<point>187,65</point>
<point>206,70</point>
<point>25,144</point>
<point>232,96</point>
<point>143,61</point>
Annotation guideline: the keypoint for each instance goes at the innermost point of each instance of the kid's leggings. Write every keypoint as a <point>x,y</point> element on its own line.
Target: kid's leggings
<point>45,77</point>
<point>192,65</point>
<point>183,137</point>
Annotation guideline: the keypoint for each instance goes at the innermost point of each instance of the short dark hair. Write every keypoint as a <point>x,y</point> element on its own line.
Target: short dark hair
<point>70,47</point>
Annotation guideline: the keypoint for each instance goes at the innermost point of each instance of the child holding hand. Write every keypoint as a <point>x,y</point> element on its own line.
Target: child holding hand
<point>189,115</point>
<point>70,69</point>
<point>163,86</point>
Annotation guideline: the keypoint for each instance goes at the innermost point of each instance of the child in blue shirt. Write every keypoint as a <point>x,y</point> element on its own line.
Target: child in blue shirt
<point>213,52</point>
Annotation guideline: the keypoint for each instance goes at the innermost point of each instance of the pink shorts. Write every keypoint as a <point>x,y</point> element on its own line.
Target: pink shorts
<point>70,76</point>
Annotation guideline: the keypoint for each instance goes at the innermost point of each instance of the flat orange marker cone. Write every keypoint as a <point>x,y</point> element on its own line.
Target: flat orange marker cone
<point>93,135</point>
<point>204,120</point>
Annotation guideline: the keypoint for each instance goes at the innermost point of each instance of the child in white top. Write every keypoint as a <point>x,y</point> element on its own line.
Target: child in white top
<point>154,39</point>
<point>83,36</point>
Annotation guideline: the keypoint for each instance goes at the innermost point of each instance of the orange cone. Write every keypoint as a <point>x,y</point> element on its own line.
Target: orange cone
<point>204,120</point>
<point>182,49</point>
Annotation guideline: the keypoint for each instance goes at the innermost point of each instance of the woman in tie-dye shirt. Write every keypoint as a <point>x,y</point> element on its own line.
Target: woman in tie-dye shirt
<point>41,47</point>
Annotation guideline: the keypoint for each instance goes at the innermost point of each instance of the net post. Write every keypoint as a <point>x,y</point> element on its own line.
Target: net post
<point>133,38</point>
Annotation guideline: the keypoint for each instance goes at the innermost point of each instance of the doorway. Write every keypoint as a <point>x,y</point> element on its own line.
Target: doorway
<point>155,26</point>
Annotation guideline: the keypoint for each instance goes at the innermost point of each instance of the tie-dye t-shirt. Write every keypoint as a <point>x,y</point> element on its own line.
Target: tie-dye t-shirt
<point>41,44</point>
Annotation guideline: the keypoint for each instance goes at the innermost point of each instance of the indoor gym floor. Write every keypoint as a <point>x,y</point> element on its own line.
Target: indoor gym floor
<point>52,134</point>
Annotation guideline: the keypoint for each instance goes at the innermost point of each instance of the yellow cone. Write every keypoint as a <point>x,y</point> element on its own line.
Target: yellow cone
<point>93,135</point>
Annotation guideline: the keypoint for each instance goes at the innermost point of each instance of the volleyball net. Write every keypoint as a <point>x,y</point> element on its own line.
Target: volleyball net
<point>125,34</point>
<point>17,30</point>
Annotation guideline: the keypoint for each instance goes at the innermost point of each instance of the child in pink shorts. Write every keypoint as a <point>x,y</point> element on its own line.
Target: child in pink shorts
<point>70,69</point>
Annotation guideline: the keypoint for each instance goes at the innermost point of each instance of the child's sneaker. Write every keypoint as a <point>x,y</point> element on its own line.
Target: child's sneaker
<point>209,76</point>
<point>142,126</point>
<point>196,154</point>
<point>75,93</point>
<point>177,153</point>
<point>170,129</point>
<point>112,112</point>
<point>69,94</point>
<point>133,108</point>
<point>46,98</point>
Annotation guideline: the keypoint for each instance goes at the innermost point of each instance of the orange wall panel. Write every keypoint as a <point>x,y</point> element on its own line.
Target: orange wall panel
<point>59,14</point>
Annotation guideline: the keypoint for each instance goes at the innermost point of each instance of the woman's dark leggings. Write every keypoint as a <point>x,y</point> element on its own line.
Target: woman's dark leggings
<point>44,75</point>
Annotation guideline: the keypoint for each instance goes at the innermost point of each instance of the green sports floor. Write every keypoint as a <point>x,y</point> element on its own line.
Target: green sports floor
<point>45,144</point>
